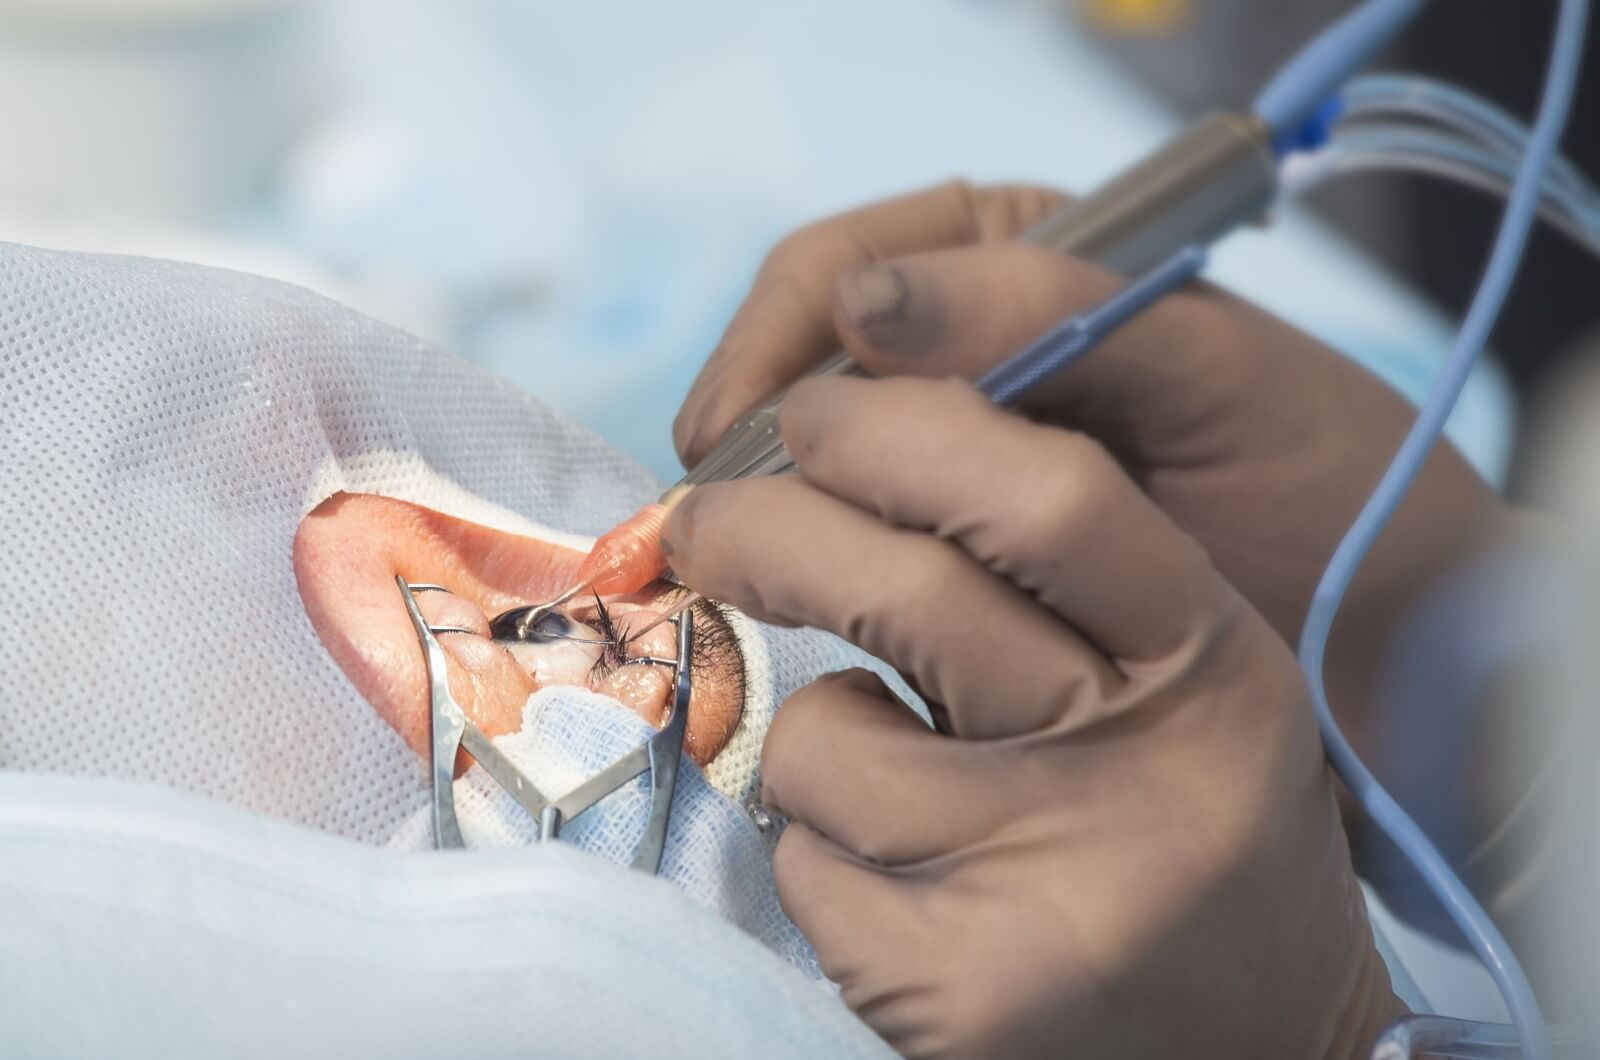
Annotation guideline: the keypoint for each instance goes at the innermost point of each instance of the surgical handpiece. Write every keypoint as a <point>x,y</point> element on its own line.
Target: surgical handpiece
<point>1218,174</point>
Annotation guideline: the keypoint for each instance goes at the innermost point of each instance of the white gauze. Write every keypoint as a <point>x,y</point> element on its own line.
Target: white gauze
<point>165,427</point>
<point>713,852</point>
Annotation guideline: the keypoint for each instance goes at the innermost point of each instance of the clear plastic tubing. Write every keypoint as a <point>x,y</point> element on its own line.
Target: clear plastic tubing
<point>1456,1039</point>
<point>1391,95</point>
<point>1571,206</point>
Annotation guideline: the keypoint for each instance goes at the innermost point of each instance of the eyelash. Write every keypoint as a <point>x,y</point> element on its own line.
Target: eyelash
<point>713,644</point>
<point>614,656</point>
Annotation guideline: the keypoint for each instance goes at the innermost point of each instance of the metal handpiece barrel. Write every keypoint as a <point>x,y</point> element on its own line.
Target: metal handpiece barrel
<point>1218,174</point>
<point>753,446</point>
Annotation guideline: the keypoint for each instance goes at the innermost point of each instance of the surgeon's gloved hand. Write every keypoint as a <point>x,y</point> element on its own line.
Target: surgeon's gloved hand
<point>1124,840</point>
<point>1254,438</point>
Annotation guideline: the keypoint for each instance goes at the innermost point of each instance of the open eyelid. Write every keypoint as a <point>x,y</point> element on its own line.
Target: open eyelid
<point>614,652</point>
<point>714,645</point>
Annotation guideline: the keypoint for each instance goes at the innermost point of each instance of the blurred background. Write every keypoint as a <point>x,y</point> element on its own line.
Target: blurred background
<point>575,195</point>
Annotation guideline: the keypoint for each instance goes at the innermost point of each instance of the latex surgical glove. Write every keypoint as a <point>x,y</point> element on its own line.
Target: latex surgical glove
<point>1124,840</point>
<point>1254,438</point>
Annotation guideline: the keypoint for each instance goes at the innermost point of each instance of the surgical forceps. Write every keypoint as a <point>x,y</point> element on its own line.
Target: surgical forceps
<point>452,730</point>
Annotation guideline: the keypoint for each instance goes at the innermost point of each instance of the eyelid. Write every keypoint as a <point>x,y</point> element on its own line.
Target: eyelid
<point>714,646</point>
<point>673,591</point>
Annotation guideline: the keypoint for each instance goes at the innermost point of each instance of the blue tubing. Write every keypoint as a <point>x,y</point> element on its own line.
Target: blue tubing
<point>1510,242</point>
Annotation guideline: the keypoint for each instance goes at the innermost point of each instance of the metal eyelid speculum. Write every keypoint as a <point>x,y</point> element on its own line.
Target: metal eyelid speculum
<point>452,730</point>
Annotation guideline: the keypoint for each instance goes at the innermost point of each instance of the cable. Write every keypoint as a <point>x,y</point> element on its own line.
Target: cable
<point>1441,103</point>
<point>1438,1036</point>
<point>1305,84</point>
<point>1510,241</point>
<point>1572,207</point>
<point>1078,334</point>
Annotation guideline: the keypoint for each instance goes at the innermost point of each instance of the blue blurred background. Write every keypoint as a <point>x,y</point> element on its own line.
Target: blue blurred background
<point>575,195</point>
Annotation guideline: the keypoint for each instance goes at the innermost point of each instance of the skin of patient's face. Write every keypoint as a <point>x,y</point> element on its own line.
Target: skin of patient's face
<point>347,553</point>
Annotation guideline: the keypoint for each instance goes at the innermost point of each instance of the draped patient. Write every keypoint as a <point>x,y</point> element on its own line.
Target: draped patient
<point>211,483</point>
<point>244,468</point>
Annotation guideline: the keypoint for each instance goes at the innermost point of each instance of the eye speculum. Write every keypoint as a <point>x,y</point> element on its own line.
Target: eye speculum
<point>451,731</point>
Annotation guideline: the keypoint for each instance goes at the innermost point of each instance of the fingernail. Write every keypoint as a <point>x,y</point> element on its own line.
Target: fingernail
<point>679,524</point>
<point>896,307</point>
<point>805,413</point>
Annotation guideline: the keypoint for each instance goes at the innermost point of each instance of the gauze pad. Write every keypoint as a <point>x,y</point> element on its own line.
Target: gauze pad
<point>164,428</point>
<point>568,735</point>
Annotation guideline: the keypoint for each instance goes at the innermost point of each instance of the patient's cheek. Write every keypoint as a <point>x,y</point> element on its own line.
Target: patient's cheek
<point>642,689</point>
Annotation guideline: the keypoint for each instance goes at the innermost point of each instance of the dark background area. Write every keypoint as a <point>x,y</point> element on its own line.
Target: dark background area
<point>1433,234</point>
<point>1499,47</point>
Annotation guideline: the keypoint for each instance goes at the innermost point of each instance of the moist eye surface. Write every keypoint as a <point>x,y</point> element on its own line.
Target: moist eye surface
<point>554,625</point>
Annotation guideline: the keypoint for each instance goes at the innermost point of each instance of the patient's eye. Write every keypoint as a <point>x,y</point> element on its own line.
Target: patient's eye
<point>558,650</point>
<point>555,625</point>
<point>349,550</point>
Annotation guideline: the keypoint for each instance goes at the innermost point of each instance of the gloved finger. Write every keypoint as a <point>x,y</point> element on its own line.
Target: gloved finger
<point>785,323</point>
<point>960,311</point>
<point>784,552</point>
<point>851,914</point>
<point>848,759</point>
<point>1046,508</point>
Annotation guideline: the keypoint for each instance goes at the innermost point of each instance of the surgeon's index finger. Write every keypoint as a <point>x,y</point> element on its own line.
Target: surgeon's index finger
<point>785,324</point>
<point>1045,508</point>
<point>962,310</point>
<point>779,550</point>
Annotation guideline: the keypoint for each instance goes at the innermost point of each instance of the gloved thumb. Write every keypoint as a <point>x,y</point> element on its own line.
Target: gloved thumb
<point>963,310</point>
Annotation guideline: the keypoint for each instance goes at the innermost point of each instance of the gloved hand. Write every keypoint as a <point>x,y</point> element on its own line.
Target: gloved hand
<point>1124,841</point>
<point>1254,438</point>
